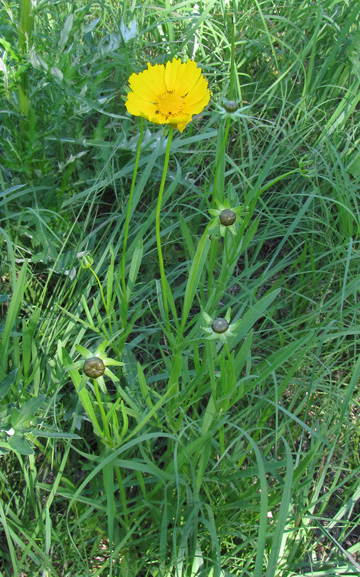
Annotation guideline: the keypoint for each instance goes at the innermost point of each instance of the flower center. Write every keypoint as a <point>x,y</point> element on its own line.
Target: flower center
<point>220,325</point>
<point>94,367</point>
<point>169,104</point>
<point>231,106</point>
<point>227,217</point>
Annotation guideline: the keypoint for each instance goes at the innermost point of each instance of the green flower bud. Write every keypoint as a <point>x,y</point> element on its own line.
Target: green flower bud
<point>227,217</point>
<point>86,260</point>
<point>231,106</point>
<point>94,367</point>
<point>220,325</point>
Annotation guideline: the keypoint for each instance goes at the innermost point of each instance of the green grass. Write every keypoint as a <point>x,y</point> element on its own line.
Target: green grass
<point>200,458</point>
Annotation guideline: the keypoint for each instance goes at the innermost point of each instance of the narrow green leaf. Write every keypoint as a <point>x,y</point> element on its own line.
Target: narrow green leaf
<point>252,315</point>
<point>26,348</point>
<point>53,434</point>
<point>135,266</point>
<point>186,234</point>
<point>48,525</point>
<point>9,246</point>
<point>7,382</point>
<point>5,525</point>
<point>110,281</point>
<point>203,462</point>
<point>243,353</point>
<point>13,311</point>
<point>278,538</point>
<point>108,476</point>
<point>143,386</point>
<point>194,277</point>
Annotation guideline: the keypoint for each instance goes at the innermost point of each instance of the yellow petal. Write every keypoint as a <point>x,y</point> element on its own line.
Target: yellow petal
<point>172,72</point>
<point>139,107</point>
<point>180,121</point>
<point>141,86</point>
<point>182,126</point>
<point>196,101</point>
<point>175,77</point>
<point>180,118</point>
<point>155,76</point>
<point>191,76</point>
<point>150,83</point>
<point>196,108</point>
<point>181,77</point>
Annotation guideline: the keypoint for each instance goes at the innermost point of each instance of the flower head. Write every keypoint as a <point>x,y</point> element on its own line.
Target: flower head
<point>168,94</point>
<point>220,328</point>
<point>226,217</point>
<point>231,109</point>
<point>231,106</point>
<point>96,365</point>
<point>86,260</point>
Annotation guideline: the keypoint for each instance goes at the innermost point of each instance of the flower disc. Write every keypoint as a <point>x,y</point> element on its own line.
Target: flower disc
<point>220,325</point>
<point>227,217</point>
<point>94,367</point>
<point>231,106</point>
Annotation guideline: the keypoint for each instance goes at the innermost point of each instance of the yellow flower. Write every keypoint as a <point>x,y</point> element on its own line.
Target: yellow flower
<point>168,94</point>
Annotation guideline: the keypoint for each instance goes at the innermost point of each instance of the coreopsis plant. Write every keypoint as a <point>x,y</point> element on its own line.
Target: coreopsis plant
<point>170,95</point>
<point>94,366</point>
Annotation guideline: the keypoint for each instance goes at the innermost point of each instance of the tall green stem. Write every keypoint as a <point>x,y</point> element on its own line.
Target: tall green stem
<point>157,226</point>
<point>103,299</point>
<point>232,57</point>
<point>221,152</point>
<point>220,158</point>
<point>122,492</point>
<point>127,220</point>
<point>25,29</point>
<point>102,411</point>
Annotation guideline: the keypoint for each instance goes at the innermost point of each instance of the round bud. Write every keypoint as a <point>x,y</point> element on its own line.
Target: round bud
<point>94,367</point>
<point>86,260</point>
<point>227,217</point>
<point>220,325</point>
<point>231,106</point>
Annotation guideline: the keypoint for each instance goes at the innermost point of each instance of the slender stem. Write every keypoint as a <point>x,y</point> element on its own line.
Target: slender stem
<point>232,57</point>
<point>103,299</point>
<point>102,411</point>
<point>222,439</point>
<point>122,496</point>
<point>214,247</point>
<point>127,220</point>
<point>25,29</point>
<point>157,226</point>
<point>101,289</point>
<point>214,195</point>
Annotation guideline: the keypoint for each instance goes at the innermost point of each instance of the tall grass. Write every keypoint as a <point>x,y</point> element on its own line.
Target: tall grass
<point>198,458</point>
